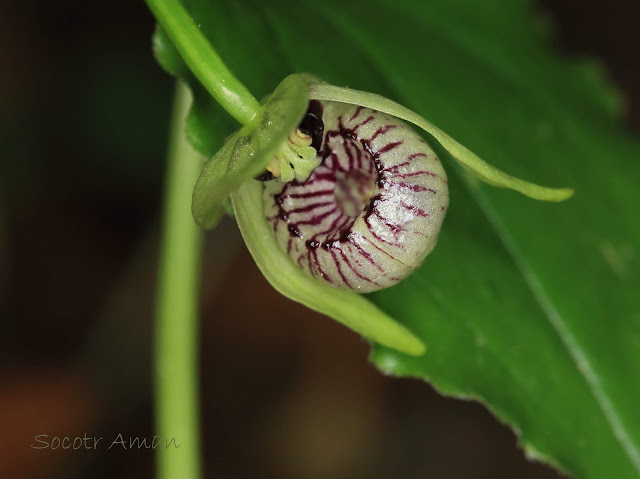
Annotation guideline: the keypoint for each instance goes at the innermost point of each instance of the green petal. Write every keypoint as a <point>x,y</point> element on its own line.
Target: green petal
<point>248,152</point>
<point>471,162</point>
<point>348,308</point>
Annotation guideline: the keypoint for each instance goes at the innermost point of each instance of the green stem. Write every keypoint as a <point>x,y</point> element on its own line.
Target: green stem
<point>203,61</point>
<point>176,345</point>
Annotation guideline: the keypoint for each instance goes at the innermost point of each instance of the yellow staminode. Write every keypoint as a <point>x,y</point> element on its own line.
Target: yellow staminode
<point>296,159</point>
<point>298,138</point>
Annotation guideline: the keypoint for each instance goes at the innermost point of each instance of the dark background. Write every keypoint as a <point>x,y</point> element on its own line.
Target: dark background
<point>285,393</point>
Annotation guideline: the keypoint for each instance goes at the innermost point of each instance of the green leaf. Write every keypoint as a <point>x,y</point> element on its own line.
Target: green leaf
<point>249,151</point>
<point>531,308</point>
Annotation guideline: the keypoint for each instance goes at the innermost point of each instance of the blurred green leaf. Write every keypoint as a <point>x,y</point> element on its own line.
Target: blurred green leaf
<point>531,308</point>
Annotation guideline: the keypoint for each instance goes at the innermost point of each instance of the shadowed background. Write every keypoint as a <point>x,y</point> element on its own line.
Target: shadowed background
<point>285,393</point>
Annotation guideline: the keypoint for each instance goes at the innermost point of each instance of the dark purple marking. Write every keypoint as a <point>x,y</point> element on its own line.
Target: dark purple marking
<point>337,225</point>
<point>384,252</point>
<point>361,124</point>
<point>293,229</point>
<point>356,113</point>
<point>312,194</point>
<point>316,262</point>
<point>264,176</point>
<point>315,220</point>
<point>309,207</point>
<point>410,186</point>
<point>347,150</point>
<point>312,124</point>
<point>335,163</point>
<point>354,270</point>
<point>376,236</point>
<point>418,173</point>
<point>388,147</point>
<point>395,168</point>
<point>414,209</point>
<point>396,228</point>
<point>381,131</point>
<point>337,263</point>
<point>367,256</point>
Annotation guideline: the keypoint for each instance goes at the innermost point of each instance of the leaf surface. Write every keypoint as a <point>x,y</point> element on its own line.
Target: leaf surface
<point>531,308</point>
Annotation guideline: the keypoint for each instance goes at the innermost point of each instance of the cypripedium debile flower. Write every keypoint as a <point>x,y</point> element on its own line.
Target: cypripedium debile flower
<point>336,195</point>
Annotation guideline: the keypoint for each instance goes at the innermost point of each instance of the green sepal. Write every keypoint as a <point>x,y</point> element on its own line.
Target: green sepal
<point>248,151</point>
<point>348,308</point>
<point>319,90</point>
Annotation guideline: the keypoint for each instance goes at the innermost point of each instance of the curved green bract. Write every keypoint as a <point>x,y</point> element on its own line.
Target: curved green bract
<point>487,173</point>
<point>248,151</point>
<point>348,308</point>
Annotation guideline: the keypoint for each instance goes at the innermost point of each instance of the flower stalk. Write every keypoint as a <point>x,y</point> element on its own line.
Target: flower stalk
<point>176,316</point>
<point>203,61</point>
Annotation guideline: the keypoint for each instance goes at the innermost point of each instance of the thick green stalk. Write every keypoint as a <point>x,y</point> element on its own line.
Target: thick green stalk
<point>176,338</point>
<point>203,61</point>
